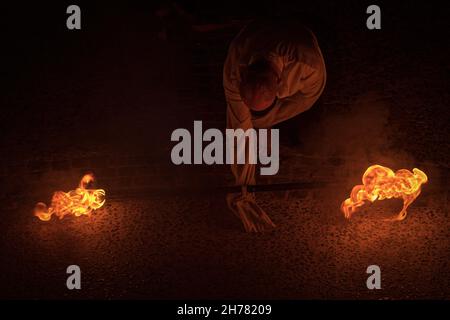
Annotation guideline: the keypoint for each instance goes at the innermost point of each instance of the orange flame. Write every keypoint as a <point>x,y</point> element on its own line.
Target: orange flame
<point>81,201</point>
<point>382,183</point>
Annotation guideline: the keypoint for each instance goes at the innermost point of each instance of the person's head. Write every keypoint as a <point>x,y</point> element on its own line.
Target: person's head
<point>259,85</point>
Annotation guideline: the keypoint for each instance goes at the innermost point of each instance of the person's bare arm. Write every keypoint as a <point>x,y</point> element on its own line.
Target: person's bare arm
<point>243,204</point>
<point>238,114</point>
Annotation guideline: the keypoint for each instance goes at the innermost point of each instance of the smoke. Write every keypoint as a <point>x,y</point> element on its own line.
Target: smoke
<point>357,137</point>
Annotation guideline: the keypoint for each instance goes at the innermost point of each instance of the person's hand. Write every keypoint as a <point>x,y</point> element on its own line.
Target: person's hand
<point>244,206</point>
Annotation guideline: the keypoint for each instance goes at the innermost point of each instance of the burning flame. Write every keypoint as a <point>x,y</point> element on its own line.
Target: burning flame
<point>81,201</point>
<point>382,183</point>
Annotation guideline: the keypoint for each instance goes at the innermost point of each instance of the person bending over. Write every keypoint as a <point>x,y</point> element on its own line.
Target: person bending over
<point>274,70</point>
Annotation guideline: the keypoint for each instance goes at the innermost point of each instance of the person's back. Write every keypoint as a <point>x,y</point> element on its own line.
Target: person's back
<point>286,37</point>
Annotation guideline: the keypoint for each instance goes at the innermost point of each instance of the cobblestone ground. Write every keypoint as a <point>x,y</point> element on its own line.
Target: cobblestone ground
<point>107,102</point>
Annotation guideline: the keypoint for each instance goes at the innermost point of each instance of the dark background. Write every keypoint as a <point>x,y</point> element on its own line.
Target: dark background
<point>106,98</point>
